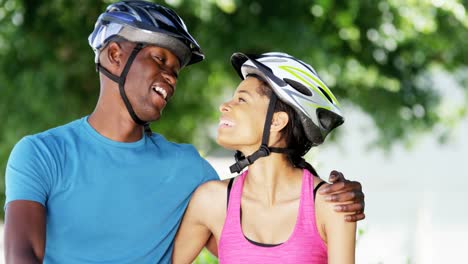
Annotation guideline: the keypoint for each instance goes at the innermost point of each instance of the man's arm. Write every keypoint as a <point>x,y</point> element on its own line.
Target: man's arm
<point>342,190</point>
<point>25,229</point>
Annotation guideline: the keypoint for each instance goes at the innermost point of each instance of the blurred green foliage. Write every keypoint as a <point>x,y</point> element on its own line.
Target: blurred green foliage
<point>377,55</point>
<point>206,257</point>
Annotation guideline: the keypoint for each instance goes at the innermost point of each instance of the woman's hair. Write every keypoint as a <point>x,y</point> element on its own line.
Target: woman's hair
<point>293,133</point>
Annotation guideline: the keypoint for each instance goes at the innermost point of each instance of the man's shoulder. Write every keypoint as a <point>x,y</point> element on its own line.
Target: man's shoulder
<point>51,137</point>
<point>47,146</point>
<point>188,156</point>
<point>184,148</point>
<point>58,131</point>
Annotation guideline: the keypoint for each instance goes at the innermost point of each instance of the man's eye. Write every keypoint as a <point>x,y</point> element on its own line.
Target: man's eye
<point>241,99</point>
<point>158,58</point>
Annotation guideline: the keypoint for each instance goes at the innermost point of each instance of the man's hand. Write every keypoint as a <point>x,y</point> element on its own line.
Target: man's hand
<point>343,190</point>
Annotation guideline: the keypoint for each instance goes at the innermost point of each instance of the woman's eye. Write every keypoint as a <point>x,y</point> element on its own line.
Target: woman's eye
<point>241,99</point>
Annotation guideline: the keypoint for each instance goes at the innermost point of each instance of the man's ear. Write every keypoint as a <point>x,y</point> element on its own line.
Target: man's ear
<point>279,121</point>
<point>113,54</point>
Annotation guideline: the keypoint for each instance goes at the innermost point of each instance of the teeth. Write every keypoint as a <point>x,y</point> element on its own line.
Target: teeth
<point>226,122</point>
<point>160,91</point>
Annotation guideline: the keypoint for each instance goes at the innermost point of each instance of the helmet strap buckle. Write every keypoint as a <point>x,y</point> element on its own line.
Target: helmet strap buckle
<point>264,150</point>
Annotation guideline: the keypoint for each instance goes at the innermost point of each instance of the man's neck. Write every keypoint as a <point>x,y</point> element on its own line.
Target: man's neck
<point>116,126</point>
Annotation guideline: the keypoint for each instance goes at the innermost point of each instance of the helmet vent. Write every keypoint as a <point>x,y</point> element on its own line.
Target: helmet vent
<point>272,60</point>
<point>326,94</point>
<point>298,86</point>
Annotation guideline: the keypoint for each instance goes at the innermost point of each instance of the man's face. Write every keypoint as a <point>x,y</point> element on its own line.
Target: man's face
<point>151,81</point>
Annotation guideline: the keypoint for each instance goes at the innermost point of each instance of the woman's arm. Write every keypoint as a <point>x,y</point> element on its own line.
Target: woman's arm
<point>212,246</point>
<point>339,235</point>
<point>193,232</point>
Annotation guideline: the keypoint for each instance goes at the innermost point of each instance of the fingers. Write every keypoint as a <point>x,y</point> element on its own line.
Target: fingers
<point>332,188</point>
<point>356,208</point>
<point>336,176</point>
<point>342,190</point>
<point>355,217</point>
<point>346,197</point>
<point>350,208</point>
<point>341,186</point>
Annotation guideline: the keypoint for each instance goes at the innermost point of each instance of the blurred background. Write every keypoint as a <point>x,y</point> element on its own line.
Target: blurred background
<point>399,67</point>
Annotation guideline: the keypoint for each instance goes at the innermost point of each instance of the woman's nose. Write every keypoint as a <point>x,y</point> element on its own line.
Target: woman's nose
<point>224,107</point>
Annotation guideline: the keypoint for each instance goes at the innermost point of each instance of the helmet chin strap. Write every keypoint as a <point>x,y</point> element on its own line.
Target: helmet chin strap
<point>264,150</point>
<point>121,81</point>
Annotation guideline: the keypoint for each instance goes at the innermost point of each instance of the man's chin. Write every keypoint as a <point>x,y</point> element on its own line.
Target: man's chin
<point>155,114</point>
<point>155,117</point>
<point>151,117</point>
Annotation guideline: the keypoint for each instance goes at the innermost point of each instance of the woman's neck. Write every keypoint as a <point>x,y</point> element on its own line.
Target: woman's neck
<point>272,179</point>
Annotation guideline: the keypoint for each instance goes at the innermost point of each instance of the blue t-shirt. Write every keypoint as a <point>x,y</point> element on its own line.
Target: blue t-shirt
<point>106,201</point>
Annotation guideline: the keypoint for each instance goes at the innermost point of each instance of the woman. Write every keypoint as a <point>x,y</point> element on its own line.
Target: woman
<point>273,214</point>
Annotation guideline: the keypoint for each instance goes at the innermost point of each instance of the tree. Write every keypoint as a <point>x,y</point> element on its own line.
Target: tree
<point>378,56</point>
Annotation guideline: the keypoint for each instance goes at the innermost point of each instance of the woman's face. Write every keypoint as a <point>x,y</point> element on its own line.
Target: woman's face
<point>243,118</point>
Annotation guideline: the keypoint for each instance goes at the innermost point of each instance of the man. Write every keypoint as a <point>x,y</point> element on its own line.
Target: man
<point>104,188</point>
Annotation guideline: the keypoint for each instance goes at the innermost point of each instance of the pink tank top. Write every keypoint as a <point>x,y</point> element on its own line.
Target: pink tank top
<point>303,246</point>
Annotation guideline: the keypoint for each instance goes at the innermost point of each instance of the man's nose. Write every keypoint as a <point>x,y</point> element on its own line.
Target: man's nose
<point>170,78</point>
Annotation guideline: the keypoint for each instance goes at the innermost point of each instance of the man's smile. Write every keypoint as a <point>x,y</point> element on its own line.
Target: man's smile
<point>165,91</point>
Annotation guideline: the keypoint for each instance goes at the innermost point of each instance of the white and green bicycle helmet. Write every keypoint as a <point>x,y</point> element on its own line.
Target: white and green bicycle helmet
<point>298,85</point>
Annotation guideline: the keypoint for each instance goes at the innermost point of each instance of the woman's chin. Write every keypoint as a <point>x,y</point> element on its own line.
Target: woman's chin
<point>225,144</point>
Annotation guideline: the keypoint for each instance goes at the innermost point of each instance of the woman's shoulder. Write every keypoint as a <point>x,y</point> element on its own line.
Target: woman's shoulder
<point>321,204</point>
<point>318,181</point>
<point>212,193</point>
<point>325,210</point>
<point>210,188</point>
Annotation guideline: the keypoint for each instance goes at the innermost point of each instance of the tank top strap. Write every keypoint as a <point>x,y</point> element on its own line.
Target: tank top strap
<point>308,203</point>
<point>307,188</point>
<point>235,198</point>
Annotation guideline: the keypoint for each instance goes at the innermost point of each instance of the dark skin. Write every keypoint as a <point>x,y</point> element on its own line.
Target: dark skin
<point>345,190</point>
<point>24,238</point>
<point>152,66</point>
<point>25,221</point>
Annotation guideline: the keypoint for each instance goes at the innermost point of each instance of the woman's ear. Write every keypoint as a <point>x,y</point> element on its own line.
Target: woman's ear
<point>280,120</point>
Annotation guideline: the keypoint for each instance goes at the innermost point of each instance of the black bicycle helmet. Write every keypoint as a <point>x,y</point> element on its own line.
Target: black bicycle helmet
<point>146,23</point>
<point>143,23</point>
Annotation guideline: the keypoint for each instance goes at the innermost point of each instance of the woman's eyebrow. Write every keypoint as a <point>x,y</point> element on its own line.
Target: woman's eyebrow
<point>245,91</point>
